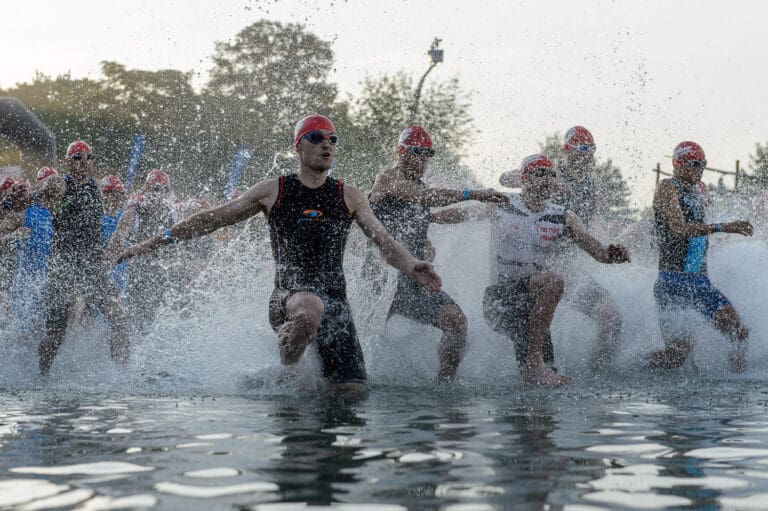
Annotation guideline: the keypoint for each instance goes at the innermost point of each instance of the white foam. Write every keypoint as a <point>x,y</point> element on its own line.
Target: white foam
<point>98,468</point>
<point>213,472</point>
<point>130,502</point>
<point>69,498</point>
<point>207,492</point>
<point>19,491</point>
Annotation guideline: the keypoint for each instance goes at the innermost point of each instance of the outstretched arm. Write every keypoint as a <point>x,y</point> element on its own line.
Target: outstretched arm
<point>459,214</point>
<point>393,253</point>
<point>610,254</point>
<point>432,197</point>
<point>666,202</point>
<point>259,198</point>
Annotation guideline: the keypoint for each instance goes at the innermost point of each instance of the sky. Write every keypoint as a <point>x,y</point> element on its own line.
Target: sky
<point>640,75</point>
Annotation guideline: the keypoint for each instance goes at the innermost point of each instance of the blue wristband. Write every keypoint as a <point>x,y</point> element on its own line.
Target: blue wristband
<point>466,193</point>
<point>167,237</point>
<point>718,227</point>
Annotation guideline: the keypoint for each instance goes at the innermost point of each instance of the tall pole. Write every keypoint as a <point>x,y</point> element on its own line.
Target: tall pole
<point>435,56</point>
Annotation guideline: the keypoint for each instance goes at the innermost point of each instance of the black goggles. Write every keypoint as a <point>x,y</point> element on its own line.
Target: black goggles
<point>697,164</point>
<point>542,172</point>
<point>316,137</point>
<point>79,157</point>
<point>421,151</point>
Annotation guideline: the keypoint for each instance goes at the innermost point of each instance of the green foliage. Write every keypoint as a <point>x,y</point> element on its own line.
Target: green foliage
<point>758,164</point>
<point>382,111</point>
<point>262,82</point>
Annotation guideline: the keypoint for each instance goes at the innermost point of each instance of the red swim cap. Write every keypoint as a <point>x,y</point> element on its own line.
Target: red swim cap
<point>17,191</point>
<point>157,177</point>
<point>311,123</point>
<point>576,136</point>
<point>78,146</point>
<point>46,172</point>
<point>415,136</point>
<point>532,163</point>
<point>112,184</point>
<point>687,151</point>
<point>7,183</point>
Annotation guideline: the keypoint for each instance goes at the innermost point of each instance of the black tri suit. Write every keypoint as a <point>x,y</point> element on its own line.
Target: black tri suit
<point>77,266</point>
<point>308,229</point>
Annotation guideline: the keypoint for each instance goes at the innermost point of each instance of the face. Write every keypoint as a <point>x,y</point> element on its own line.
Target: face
<point>80,165</point>
<point>414,160</point>
<point>317,156</point>
<point>690,172</point>
<point>541,182</point>
<point>156,193</point>
<point>114,199</point>
<point>580,157</point>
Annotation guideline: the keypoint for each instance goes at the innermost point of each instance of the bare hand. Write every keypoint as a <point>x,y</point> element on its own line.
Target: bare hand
<point>618,254</point>
<point>132,251</point>
<point>489,195</point>
<point>424,273</point>
<point>740,227</point>
<point>19,234</point>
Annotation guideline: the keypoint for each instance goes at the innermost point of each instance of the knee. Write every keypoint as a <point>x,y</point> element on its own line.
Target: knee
<point>306,309</point>
<point>451,320</point>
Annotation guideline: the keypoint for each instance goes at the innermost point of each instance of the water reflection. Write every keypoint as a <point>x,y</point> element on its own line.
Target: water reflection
<point>319,456</point>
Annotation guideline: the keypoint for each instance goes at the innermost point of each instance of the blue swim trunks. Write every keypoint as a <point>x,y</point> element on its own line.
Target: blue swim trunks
<point>676,290</point>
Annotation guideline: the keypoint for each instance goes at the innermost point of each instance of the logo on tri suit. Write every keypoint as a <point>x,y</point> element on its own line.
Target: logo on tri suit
<point>312,215</point>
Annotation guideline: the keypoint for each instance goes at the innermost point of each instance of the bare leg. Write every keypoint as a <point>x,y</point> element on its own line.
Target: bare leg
<point>727,321</point>
<point>452,321</point>
<point>671,357</point>
<point>119,342</point>
<point>304,311</point>
<point>606,314</point>
<point>547,289</point>
<point>49,347</point>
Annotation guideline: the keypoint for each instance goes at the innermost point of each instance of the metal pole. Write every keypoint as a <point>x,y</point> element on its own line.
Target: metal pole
<point>435,56</point>
<point>736,179</point>
<point>415,107</point>
<point>658,172</point>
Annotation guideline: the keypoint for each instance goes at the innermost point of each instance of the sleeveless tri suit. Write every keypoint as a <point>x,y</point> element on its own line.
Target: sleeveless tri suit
<point>308,229</point>
<point>408,222</point>
<point>522,241</point>
<point>77,265</point>
<point>683,282</point>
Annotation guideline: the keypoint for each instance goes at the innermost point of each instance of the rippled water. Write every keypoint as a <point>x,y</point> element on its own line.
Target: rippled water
<point>204,417</point>
<point>649,442</point>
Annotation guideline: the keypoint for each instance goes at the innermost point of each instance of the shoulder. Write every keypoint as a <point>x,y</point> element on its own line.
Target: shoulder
<point>667,188</point>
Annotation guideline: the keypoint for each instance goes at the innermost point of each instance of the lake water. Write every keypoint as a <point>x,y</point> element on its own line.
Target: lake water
<point>647,441</point>
<point>205,418</point>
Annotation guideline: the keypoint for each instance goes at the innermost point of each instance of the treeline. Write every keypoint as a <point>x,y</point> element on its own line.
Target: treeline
<point>261,83</point>
<point>270,76</point>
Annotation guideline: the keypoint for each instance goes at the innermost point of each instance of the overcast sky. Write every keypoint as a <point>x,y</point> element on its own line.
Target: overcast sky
<point>642,76</point>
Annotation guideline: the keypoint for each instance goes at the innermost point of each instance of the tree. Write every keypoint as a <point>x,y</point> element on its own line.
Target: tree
<point>380,114</point>
<point>758,164</point>
<point>614,187</point>
<point>262,84</point>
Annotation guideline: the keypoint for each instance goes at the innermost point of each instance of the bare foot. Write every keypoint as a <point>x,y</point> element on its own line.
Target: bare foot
<point>543,376</point>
